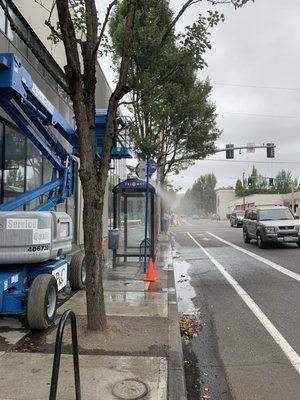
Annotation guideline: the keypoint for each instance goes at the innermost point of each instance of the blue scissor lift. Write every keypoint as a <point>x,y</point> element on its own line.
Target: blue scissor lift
<point>31,286</point>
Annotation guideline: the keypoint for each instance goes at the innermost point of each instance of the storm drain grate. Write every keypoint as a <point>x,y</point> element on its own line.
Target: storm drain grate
<point>130,389</point>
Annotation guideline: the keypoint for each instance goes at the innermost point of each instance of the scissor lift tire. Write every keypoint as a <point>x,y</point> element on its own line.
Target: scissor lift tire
<point>78,272</point>
<point>42,302</point>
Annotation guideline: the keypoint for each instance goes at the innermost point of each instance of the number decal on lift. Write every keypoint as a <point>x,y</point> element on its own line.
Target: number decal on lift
<point>42,247</point>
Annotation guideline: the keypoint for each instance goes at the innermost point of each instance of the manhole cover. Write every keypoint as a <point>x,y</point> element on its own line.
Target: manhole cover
<point>130,389</point>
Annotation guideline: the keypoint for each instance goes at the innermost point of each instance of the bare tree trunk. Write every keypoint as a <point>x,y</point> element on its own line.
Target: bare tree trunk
<point>83,96</point>
<point>94,257</point>
<point>93,196</point>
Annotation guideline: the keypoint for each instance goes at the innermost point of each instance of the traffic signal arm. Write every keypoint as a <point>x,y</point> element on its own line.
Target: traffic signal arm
<point>229,149</point>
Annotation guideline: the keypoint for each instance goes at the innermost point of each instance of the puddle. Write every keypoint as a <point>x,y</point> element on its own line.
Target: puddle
<point>185,292</point>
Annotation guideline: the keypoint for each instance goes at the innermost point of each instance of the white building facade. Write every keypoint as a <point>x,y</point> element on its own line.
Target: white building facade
<point>227,202</point>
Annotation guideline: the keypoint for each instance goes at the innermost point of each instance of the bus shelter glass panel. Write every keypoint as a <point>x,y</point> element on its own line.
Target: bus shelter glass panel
<point>129,218</point>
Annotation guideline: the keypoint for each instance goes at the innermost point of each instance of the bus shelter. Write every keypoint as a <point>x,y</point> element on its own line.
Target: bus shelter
<point>129,206</point>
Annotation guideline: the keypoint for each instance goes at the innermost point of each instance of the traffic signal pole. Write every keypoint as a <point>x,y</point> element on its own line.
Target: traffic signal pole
<point>244,204</point>
<point>146,215</point>
<point>293,198</point>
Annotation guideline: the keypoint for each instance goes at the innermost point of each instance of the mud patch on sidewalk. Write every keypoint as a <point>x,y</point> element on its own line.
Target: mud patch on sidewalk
<point>124,336</point>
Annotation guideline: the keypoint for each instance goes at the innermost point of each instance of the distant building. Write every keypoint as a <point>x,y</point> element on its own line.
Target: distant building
<point>223,197</point>
<point>227,202</point>
<point>254,200</point>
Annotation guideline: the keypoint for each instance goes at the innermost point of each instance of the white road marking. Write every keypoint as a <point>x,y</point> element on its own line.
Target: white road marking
<point>290,353</point>
<point>271,264</point>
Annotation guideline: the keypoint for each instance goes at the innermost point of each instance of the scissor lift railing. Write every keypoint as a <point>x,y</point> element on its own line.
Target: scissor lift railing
<point>34,114</point>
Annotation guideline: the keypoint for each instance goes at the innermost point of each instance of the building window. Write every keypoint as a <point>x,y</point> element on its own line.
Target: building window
<point>14,163</point>
<point>20,45</point>
<point>34,172</point>
<point>34,169</point>
<point>35,63</point>
<point>1,158</point>
<point>2,20</point>
<point>47,170</point>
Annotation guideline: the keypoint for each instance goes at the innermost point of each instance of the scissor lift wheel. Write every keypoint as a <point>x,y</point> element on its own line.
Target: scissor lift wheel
<point>78,272</point>
<point>42,302</point>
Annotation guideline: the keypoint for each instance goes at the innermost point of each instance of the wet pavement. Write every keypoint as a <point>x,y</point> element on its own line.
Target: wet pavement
<point>235,356</point>
<point>141,342</point>
<point>135,304</point>
<point>205,374</point>
<point>15,328</point>
<point>99,374</point>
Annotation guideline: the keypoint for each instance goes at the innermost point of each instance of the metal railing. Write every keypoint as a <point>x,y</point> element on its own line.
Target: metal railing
<point>142,244</point>
<point>69,314</point>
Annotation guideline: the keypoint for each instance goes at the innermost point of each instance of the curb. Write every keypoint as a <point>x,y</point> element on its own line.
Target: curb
<point>176,377</point>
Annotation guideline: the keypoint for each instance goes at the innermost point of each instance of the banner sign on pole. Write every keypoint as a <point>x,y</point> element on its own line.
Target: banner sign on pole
<point>141,170</point>
<point>152,166</point>
<point>250,147</point>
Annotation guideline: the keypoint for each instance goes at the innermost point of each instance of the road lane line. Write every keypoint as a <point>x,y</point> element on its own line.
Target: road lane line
<point>290,353</point>
<point>264,260</point>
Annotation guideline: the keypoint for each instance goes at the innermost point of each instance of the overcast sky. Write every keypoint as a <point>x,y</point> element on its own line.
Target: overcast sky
<point>256,46</point>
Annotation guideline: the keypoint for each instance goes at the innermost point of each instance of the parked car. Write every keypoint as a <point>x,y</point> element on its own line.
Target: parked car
<point>236,218</point>
<point>271,225</point>
<point>195,216</point>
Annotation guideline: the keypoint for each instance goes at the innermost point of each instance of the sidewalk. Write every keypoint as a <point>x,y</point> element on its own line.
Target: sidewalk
<point>142,343</point>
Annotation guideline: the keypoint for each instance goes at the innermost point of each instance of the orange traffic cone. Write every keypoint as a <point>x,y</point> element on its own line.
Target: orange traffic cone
<point>150,276</point>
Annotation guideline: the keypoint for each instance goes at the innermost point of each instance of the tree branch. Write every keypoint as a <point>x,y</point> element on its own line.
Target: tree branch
<point>91,25</point>
<point>235,3</point>
<point>105,22</point>
<point>121,89</point>
<point>40,3</point>
<point>52,29</point>
<point>169,29</point>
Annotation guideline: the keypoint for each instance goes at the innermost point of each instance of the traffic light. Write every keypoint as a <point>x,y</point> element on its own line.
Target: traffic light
<point>271,181</point>
<point>229,151</point>
<point>270,150</point>
<point>250,182</point>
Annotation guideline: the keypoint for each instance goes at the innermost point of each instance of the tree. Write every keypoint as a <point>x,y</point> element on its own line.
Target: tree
<point>174,121</point>
<point>284,182</point>
<point>79,30</point>
<point>254,177</point>
<point>187,205</point>
<point>239,188</point>
<point>203,193</point>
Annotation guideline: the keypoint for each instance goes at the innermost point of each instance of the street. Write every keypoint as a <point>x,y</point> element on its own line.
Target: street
<point>248,302</point>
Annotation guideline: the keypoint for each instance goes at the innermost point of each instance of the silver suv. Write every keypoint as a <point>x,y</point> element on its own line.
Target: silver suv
<point>271,224</point>
<point>236,218</point>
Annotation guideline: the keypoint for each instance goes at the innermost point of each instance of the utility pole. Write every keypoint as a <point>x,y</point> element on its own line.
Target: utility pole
<point>293,197</point>
<point>244,205</point>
